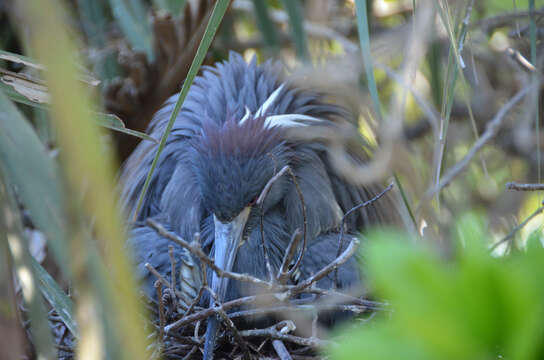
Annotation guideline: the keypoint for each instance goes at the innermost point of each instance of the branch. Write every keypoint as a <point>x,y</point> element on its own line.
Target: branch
<point>491,130</point>
<point>524,187</point>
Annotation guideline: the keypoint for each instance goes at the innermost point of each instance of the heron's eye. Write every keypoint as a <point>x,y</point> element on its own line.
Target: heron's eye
<point>254,201</point>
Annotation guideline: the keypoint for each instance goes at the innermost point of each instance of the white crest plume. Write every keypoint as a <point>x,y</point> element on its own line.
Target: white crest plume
<point>282,120</point>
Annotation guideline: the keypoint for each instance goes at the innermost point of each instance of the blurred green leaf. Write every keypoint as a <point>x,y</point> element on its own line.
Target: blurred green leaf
<point>89,186</point>
<point>364,38</point>
<point>12,238</point>
<point>296,24</point>
<point>132,18</point>
<point>265,24</point>
<point>474,307</point>
<point>94,23</point>
<point>56,297</point>
<point>25,162</point>
<point>114,123</point>
<point>174,7</point>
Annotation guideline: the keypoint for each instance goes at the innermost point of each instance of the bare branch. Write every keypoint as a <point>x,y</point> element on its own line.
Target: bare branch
<point>491,130</point>
<point>524,187</point>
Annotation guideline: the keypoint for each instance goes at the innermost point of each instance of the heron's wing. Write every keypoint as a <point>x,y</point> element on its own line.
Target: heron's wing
<point>147,246</point>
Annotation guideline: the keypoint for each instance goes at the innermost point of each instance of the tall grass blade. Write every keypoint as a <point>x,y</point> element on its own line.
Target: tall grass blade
<point>133,23</point>
<point>56,297</point>
<point>213,24</point>
<point>89,175</point>
<point>364,38</point>
<point>296,24</point>
<point>265,25</point>
<point>532,39</point>
<point>11,237</point>
<point>24,161</point>
<point>94,20</point>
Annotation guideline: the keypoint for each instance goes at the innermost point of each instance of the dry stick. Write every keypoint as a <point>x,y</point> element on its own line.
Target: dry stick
<point>259,202</point>
<point>190,353</point>
<point>491,130</point>
<point>160,278</point>
<point>232,328</point>
<point>219,310</point>
<point>356,309</point>
<point>283,273</point>
<point>162,320</point>
<point>524,187</point>
<point>348,253</point>
<point>342,224</point>
<point>197,251</point>
<point>272,333</point>
<point>291,290</point>
<point>173,265</point>
<point>517,228</point>
<point>304,224</point>
<point>281,350</point>
<point>268,186</point>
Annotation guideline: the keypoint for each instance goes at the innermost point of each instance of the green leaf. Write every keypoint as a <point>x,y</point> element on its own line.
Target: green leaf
<point>296,24</point>
<point>12,241</point>
<point>25,162</point>
<point>114,123</point>
<point>133,22</point>
<point>174,7</point>
<point>56,297</point>
<point>364,38</point>
<point>471,307</point>
<point>265,24</point>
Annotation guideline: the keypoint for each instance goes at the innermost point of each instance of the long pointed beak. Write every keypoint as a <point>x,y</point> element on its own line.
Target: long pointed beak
<point>228,237</point>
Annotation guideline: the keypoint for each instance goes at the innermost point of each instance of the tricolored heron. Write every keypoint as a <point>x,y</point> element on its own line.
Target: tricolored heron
<point>232,135</point>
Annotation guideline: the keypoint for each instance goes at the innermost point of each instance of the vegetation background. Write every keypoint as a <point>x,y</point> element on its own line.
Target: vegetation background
<point>449,92</point>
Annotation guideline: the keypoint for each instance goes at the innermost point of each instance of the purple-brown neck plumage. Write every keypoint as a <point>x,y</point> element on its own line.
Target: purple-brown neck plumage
<point>233,162</point>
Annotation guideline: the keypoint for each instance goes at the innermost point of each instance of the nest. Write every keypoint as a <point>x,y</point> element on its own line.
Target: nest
<point>179,323</point>
<point>282,320</point>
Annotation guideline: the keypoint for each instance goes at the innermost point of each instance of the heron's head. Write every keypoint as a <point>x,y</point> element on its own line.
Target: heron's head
<point>232,163</point>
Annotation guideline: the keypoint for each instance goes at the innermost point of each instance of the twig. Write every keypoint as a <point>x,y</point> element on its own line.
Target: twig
<point>491,130</point>
<point>263,245</point>
<point>272,333</point>
<point>517,228</point>
<point>356,309</point>
<point>259,203</point>
<point>173,267</point>
<point>162,321</point>
<point>232,328</point>
<point>269,184</point>
<point>160,278</point>
<point>190,353</point>
<point>342,223</point>
<point>304,223</point>
<point>206,313</point>
<point>281,350</point>
<point>524,187</point>
<point>197,251</point>
<point>345,256</point>
<point>283,273</point>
